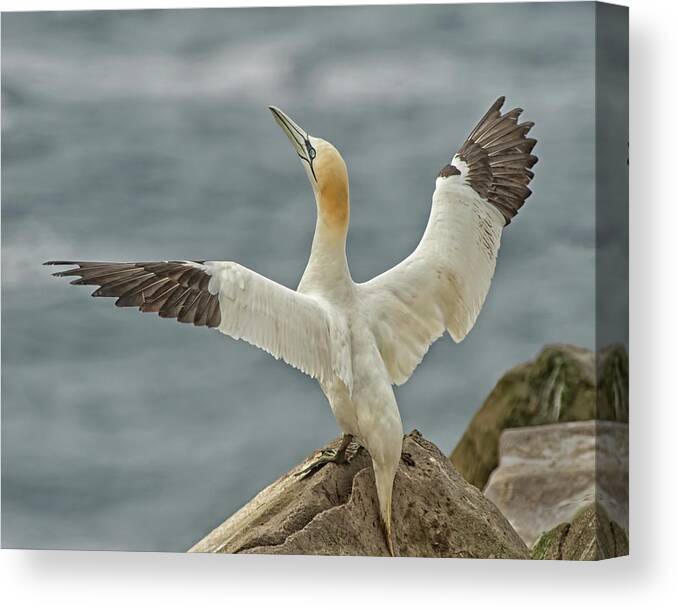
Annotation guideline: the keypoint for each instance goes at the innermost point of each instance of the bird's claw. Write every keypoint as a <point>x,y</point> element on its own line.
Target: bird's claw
<point>327,456</point>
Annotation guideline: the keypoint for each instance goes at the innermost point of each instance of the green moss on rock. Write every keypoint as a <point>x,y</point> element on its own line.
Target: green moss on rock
<point>613,387</point>
<point>590,536</point>
<point>560,385</point>
<point>549,545</point>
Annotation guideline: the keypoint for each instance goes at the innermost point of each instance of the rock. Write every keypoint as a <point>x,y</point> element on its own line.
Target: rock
<point>436,513</point>
<point>548,474</point>
<point>559,386</point>
<point>590,536</point>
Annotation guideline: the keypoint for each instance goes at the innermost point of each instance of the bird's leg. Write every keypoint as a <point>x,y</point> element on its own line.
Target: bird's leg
<point>327,456</point>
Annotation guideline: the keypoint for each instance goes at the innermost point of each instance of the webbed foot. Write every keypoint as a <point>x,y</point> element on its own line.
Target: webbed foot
<point>327,456</point>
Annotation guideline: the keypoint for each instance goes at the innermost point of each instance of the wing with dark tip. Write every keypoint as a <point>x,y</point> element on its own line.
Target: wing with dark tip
<point>172,289</point>
<point>498,157</point>
<point>225,295</point>
<point>442,285</point>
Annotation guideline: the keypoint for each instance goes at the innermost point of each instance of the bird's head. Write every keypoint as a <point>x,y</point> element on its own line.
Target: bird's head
<point>324,167</point>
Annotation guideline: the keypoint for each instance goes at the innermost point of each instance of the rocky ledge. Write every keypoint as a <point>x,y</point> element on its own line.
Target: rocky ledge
<point>565,383</point>
<point>550,448</point>
<point>436,513</point>
<point>548,474</point>
<point>590,536</point>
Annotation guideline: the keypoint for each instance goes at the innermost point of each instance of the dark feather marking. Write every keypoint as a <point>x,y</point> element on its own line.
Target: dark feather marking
<point>142,293</point>
<point>202,308</point>
<point>510,118</point>
<point>498,157</point>
<point>187,313</point>
<point>493,111</point>
<point>181,305</point>
<point>214,314</point>
<point>173,305</point>
<point>106,277</point>
<point>448,170</point>
<point>506,132</point>
<point>161,295</point>
<point>169,288</point>
<point>121,286</point>
<point>84,264</point>
<point>102,270</point>
<point>194,277</point>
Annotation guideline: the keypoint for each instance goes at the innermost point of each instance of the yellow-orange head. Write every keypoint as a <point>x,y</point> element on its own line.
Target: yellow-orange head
<point>326,171</point>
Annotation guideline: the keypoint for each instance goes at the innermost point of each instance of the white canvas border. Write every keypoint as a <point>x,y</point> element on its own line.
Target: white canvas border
<point>111,580</point>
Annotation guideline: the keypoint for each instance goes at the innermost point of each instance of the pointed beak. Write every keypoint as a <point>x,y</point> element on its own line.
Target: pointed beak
<point>296,134</point>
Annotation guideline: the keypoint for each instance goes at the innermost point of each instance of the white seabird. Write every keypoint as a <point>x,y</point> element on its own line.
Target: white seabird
<point>357,340</point>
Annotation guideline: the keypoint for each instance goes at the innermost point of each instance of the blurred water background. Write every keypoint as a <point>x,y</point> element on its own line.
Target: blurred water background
<point>146,136</point>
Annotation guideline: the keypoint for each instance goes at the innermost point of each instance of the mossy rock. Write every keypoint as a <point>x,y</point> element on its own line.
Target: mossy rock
<point>612,400</point>
<point>564,383</point>
<point>590,536</point>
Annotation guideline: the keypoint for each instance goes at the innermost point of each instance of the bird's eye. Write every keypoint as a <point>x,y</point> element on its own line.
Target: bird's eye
<point>310,149</point>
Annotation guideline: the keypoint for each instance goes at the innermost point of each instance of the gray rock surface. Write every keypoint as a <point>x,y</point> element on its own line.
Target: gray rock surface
<point>436,513</point>
<point>590,536</point>
<point>564,383</point>
<point>548,474</point>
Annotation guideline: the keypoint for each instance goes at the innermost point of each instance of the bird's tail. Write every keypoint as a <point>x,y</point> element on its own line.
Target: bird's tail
<point>388,533</point>
<point>383,477</point>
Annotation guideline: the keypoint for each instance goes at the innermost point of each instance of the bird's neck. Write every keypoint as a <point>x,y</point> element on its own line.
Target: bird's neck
<point>327,267</point>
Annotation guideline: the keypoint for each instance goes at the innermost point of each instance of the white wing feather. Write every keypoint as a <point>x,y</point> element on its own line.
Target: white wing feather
<point>286,324</point>
<point>442,285</point>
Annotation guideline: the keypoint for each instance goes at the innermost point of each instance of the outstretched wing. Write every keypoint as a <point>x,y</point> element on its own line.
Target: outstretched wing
<point>442,285</point>
<point>223,295</point>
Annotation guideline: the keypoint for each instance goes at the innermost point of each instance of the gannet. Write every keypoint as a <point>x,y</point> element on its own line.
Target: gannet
<point>357,340</point>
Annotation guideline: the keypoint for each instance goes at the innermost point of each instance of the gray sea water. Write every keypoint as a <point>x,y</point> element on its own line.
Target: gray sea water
<point>146,136</point>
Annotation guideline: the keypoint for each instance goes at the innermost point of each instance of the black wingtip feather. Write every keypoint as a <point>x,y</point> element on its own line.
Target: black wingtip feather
<point>498,146</point>
<point>173,289</point>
